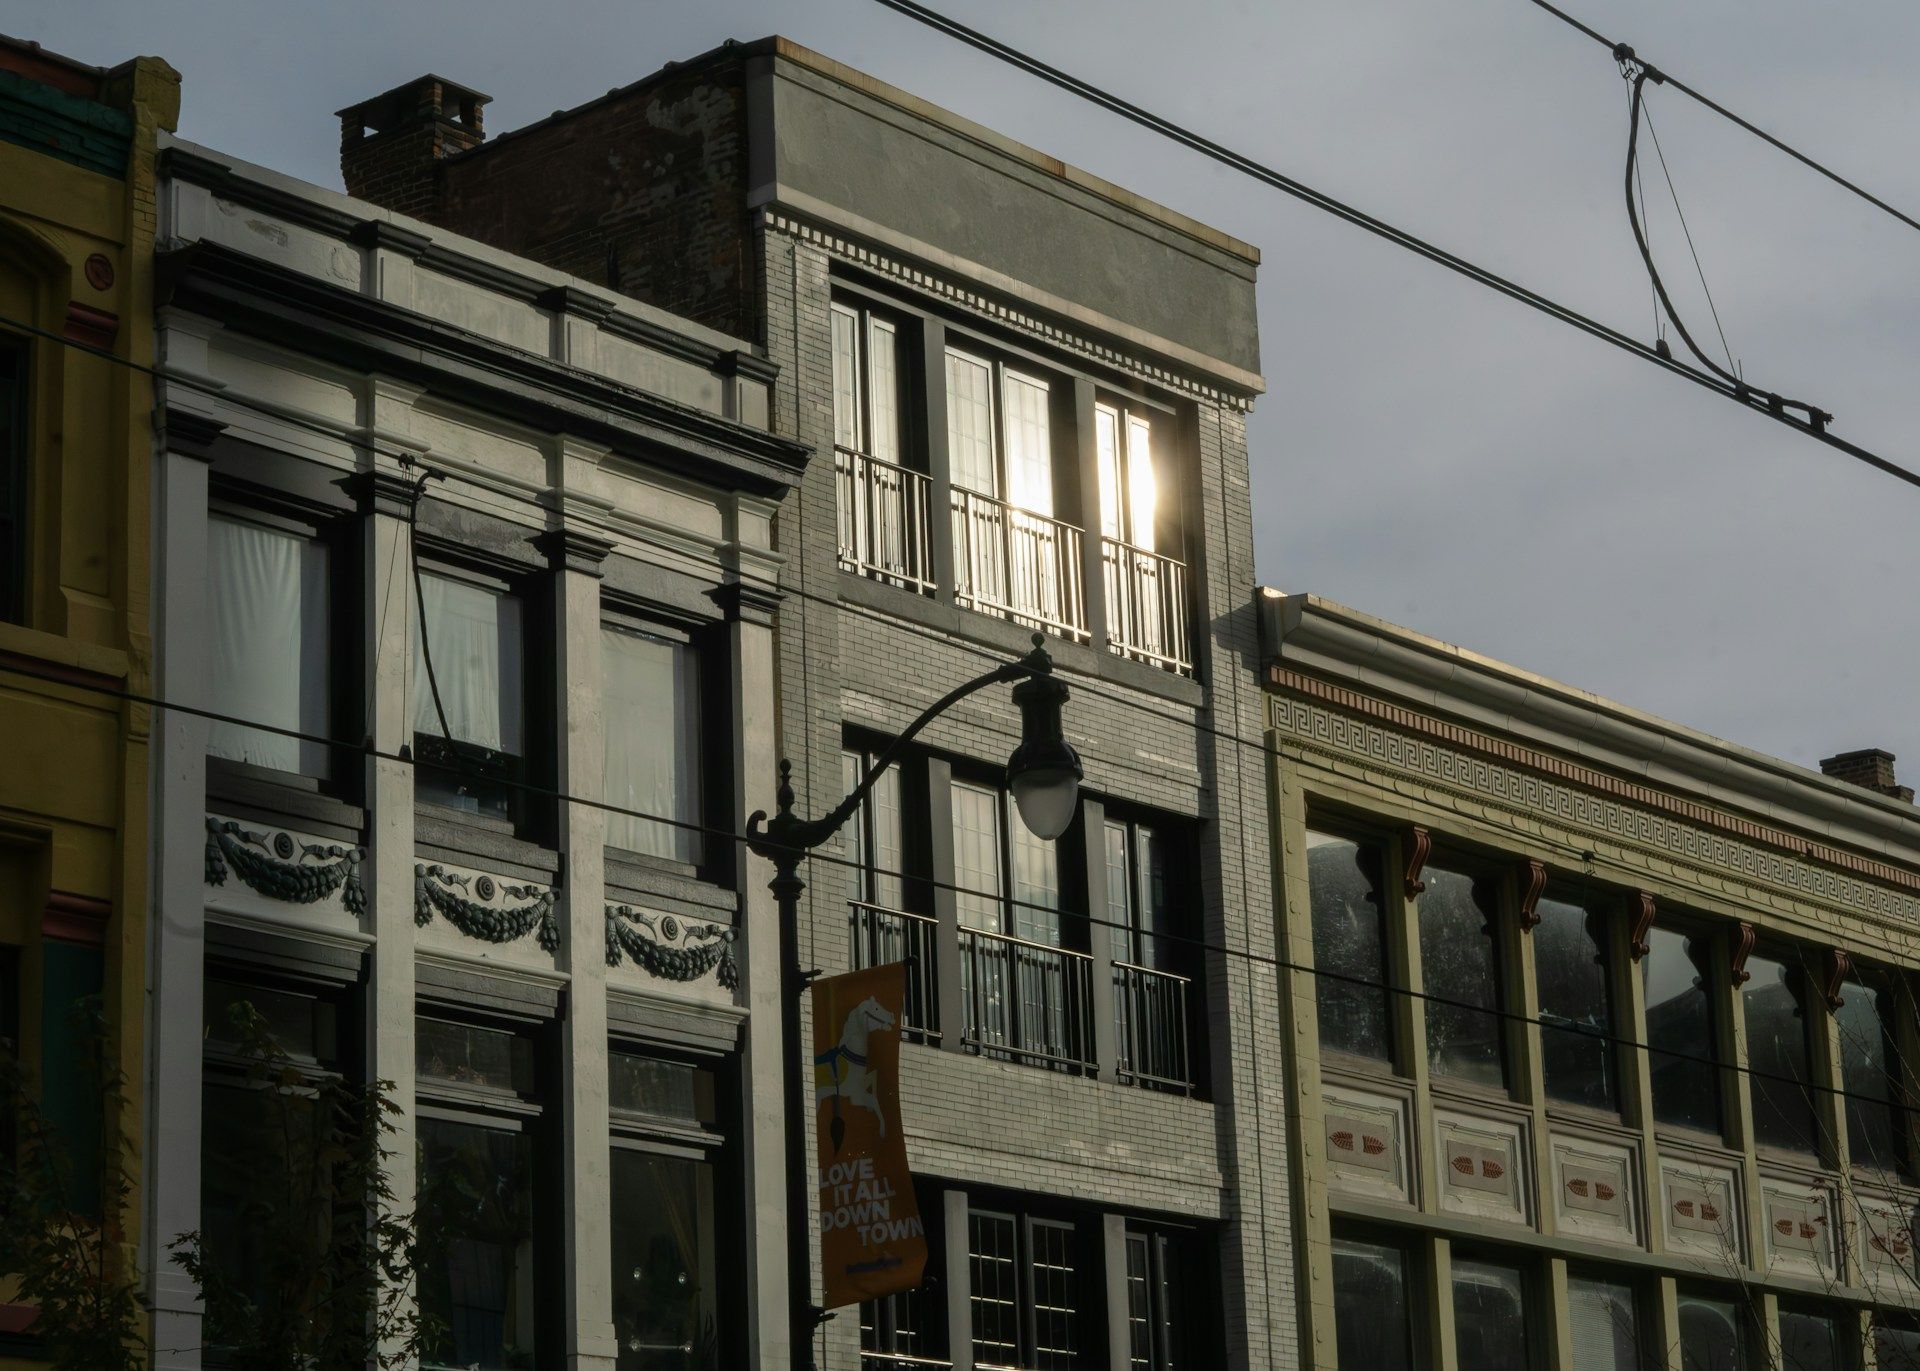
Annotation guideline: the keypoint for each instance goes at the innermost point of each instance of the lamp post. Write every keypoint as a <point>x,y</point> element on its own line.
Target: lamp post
<point>1044,774</point>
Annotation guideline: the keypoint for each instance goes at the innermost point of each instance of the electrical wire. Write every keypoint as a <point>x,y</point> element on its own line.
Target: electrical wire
<point>1733,389</point>
<point>1646,112</point>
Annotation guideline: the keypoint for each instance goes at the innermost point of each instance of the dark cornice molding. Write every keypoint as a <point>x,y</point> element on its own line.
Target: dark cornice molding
<point>295,310</point>
<point>749,602</point>
<point>187,433</point>
<point>569,549</point>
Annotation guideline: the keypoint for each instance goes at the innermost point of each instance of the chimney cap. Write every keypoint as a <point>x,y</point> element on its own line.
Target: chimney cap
<point>391,108</point>
<point>1857,756</point>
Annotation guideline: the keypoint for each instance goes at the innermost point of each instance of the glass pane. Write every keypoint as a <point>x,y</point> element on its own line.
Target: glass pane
<point>1370,1304</point>
<point>1460,964</point>
<point>1119,893</point>
<point>1029,444</point>
<point>1106,441</point>
<point>889,849</point>
<point>1576,1004</point>
<point>1811,1341</point>
<point>666,1314</point>
<point>1680,1020</point>
<point>1349,940</point>
<point>268,594</point>
<point>258,1175</point>
<point>1155,905</point>
<point>648,1085</point>
<point>1601,1315</point>
<point>1713,1335</point>
<point>976,856</point>
<point>467,1055</point>
<point>1778,1056</point>
<point>970,424</point>
<point>1143,490</point>
<point>854,835</point>
<point>302,1026</point>
<point>476,1230</point>
<point>1489,1315</point>
<point>1140,1330</point>
<point>1863,1025</point>
<point>1036,887</point>
<point>846,377</point>
<point>883,389</point>
<point>1896,1343</point>
<point>650,688</point>
<point>475,636</point>
<point>1056,1340</point>
<point>995,1288</point>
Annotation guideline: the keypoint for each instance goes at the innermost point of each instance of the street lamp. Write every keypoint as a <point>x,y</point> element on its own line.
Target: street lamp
<point>1044,774</point>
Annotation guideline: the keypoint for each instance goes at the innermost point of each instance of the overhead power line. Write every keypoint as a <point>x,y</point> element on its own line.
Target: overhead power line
<point>1773,406</point>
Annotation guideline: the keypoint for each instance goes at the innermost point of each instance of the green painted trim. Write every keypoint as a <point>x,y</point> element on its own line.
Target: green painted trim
<point>90,135</point>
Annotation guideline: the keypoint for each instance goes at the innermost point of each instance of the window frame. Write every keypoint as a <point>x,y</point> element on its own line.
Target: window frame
<point>1010,908</point>
<point>616,619</point>
<point>1710,939</point>
<point>1896,987</point>
<point>1415,1285</point>
<point>1606,910</point>
<point>1000,369</point>
<point>1169,517</point>
<point>866,316</point>
<point>1533,1304</point>
<point>1395,928</point>
<point>1477,868</point>
<point>1642,1299</point>
<point>1024,1224</point>
<point>1795,958</point>
<point>16,461</point>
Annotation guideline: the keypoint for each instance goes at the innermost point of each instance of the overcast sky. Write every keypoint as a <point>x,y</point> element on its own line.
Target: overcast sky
<point>1427,451</point>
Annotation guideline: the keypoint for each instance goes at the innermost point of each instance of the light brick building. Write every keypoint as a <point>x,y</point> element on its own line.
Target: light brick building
<point>1024,392</point>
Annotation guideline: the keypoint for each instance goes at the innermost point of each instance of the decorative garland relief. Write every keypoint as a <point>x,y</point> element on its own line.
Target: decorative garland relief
<point>469,904</point>
<point>281,867</point>
<point>673,949</point>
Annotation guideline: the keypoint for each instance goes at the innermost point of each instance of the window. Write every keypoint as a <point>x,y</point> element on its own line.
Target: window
<point>1896,1342</point>
<point>1129,484</point>
<point>1573,964</point>
<point>668,1314</point>
<point>1490,1314</point>
<point>999,432</point>
<point>1677,975</point>
<point>1347,896</point>
<point>1371,1302</point>
<point>13,482</point>
<point>479,1112</point>
<point>9,1049</point>
<point>1026,1293</point>
<point>1779,1054</point>
<point>650,686</point>
<point>268,588</point>
<point>875,836</point>
<point>477,639</point>
<point>1864,1025</point>
<point>1604,1319</point>
<point>1009,879</point>
<point>1460,964</point>
<point>869,369</point>
<point>1714,1333</point>
<point>1150,1006</point>
<point>1166,1327</point>
<point>907,1331</point>
<point>1812,1339</point>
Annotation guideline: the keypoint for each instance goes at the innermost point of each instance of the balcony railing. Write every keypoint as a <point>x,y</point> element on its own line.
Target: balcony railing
<point>882,935</point>
<point>1027,1001</point>
<point>1017,564</point>
<point>903,1361</point>
<point>1146,606</point>
<point>885,531</point>
<point>1150,1028</point>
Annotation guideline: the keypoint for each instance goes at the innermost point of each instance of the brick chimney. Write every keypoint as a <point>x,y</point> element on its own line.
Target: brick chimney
<point>1870,768</point>
<point>391,145</point>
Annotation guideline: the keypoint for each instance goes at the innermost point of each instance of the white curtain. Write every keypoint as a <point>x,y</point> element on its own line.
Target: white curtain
<point>650,692</point>
<point>1143,491</point>
<point>475,636</point>
<point>268,592</point>
<point>970,424</point>
<point>846,377</point>
<point>883,390</point>
<point>1106,433</point>
<point>1029,444</point>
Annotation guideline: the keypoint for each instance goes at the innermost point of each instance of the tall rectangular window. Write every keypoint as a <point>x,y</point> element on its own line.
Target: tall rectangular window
<point>479,1273</point>
<point>1604,1318</point>
<point>869,367</point>
<point>267,590</point>
<point>1896,1342</point>
<point>1682,1044</point>
<point>1490,1319</point>
<point>1026,1294</point>
<point>476,635</point>
<point>1129,483</point>
<point>1715,1333</point>
<point>1140,912</point>
<point>1780,1053</point>
<point>1460,965</point>
<point>970,437</point>
<point>1870,1074</point>
<point>976,856</point>
<point>876,834</point>
<point>1813,1338</point>
<point>650,687</point>
<point>1372,1310</point>
<point>1347,897</point>
<point>1573,963</point>
<point>670,1311</point>
<point>1000,432</point>
<point>1168,1273</point>
<point>14,450</point>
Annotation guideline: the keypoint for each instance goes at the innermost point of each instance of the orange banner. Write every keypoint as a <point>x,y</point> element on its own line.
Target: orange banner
<point>872,1241</point>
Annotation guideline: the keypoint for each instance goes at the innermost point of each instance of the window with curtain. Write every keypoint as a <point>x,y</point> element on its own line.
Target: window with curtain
<point>1346,893</point>
<point>1572,961</point>
<point>1814,1338</point>
<point>670,1312</point>
<point>1715,1333</point>
<point>869,368</point>
<point>1490,1315</point>
<point>268,599</point>
<point>1460,966</point>
<point>1870,1074</point>
<point>1680,989</point>
<point>476,636</point>
<point>650,688</point>
<point>479,1272</point>
<point>13,481</point>
<point>1604,1318</point>
<point>1780,1052</point>
<point>1372,1310</point>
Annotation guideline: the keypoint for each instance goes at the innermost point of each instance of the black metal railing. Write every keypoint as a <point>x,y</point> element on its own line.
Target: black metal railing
<point>1027,1001</point>
<point>1017,564</point>
<point>885,521</point>
<point>1147,610</point>
<point>1150,1028</point>
<point>882,935</point>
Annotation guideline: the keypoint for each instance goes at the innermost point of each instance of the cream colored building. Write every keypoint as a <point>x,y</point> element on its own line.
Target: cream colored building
<point>1601,1028</point>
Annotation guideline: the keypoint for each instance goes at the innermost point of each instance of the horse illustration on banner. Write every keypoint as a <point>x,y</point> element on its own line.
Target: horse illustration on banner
<point>841,1073</point>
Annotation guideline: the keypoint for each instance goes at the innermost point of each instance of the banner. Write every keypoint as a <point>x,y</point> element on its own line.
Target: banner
<point>872,1241</point>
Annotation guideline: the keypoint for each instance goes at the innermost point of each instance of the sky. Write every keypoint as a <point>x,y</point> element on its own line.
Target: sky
<point>1427,451</point>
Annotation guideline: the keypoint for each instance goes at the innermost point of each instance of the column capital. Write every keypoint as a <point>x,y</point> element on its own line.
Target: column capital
<point>382,491</point>
<point>188,433</point>
<point>571,549</point>
<point>749,602</point>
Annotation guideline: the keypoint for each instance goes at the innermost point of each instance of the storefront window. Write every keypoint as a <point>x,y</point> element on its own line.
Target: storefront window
<point>1371,1311</point>
<point>1460,964</point>
<point>1349,945</point>
<point>1677,974</point>
<point>1490,1315</point>
<point>1779,1055</point>
<point>1572,963</point>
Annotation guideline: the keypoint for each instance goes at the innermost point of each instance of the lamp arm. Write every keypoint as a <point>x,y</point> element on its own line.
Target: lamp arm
<point>786,835</point>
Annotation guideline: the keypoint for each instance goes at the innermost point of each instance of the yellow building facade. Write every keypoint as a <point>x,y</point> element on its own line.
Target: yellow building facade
<point>77,227</point>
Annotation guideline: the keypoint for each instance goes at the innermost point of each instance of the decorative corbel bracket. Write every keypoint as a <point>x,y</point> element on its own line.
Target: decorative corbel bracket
<point>1642,905</point>
<point>1419,845</point>
<point>1742,949</point>
<point>1533,883</point>
<point>1839,967</point>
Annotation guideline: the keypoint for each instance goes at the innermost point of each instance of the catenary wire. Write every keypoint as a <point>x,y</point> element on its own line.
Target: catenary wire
<point>366,749</point>
<point>1646,112</point>
<point>1749,398</point>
